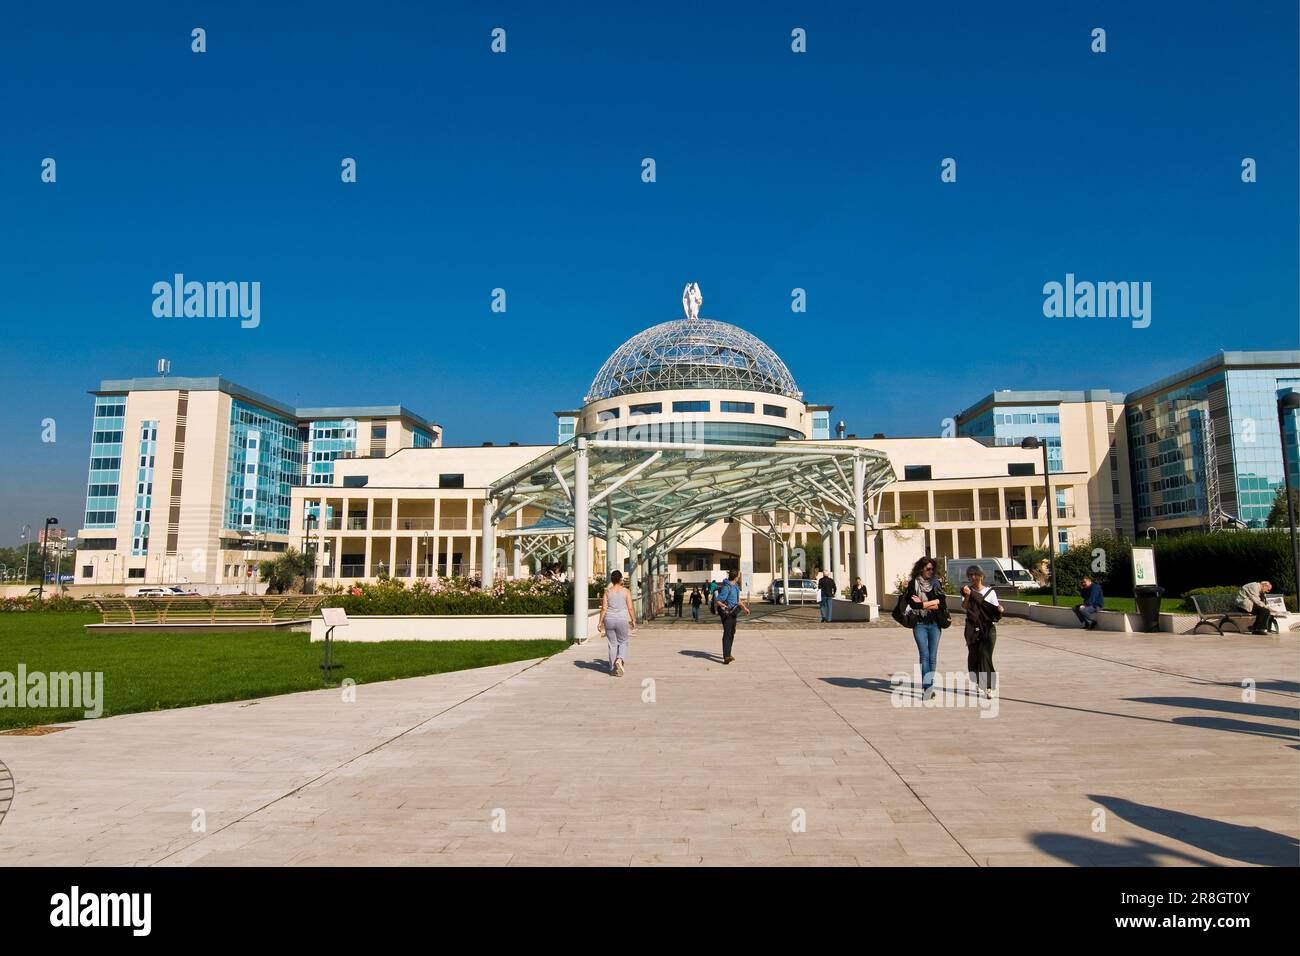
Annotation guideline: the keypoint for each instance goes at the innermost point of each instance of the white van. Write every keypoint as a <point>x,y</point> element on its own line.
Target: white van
<point>998,572</point>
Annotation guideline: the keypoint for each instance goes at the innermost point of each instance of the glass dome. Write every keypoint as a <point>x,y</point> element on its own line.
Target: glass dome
<point>692,353</point>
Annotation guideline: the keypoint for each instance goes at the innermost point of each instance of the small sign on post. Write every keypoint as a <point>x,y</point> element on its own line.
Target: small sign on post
<point>333,617</point>
<point>1144,567</point>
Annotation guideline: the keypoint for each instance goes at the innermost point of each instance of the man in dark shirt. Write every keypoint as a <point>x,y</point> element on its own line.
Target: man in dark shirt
<point>859,591</point>
<point>1092,603</point>
<point>826,585</point>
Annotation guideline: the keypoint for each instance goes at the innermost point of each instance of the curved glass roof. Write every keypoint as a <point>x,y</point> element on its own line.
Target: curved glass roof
<point>692,353</point>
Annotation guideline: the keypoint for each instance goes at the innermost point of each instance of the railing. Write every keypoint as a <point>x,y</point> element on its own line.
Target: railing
<point>953,514</point>
<point>352,571</point>
<point>1065,512</point>
<point>356,524</point>
<point>990,514</point>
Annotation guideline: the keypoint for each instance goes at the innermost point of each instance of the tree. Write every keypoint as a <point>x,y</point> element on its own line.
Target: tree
<point>281,573</point>
<point>1277,514</point>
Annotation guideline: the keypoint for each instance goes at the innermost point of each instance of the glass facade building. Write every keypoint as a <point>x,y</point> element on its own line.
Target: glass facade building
<point>266,453</point>
<point>326,441</point>
<point>1010,426</point>
<point>148,451</point>
<point>1219,418</point>
<point>105,461</point>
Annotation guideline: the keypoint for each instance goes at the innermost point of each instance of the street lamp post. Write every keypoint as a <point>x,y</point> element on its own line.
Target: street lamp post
<point>27,558</point>
<point>1030,443</point>
<point>1288,403</point>
<point>309,565</point>
<point>45,542</point>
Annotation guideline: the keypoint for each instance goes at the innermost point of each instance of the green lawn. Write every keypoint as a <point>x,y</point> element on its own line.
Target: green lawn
<point>162,670</point>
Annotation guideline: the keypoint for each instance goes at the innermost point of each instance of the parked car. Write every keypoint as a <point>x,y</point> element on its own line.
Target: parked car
<point>802,591</point>
<point>165,591</point>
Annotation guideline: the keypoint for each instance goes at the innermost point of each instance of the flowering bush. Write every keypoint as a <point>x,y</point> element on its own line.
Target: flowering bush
<point>453,596</point>
<point>22,604</point>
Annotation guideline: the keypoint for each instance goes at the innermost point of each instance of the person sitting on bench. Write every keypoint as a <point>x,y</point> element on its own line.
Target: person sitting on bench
<point>1250,599</point>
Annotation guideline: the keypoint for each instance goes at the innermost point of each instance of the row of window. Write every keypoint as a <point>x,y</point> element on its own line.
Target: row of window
<point>691,405</point>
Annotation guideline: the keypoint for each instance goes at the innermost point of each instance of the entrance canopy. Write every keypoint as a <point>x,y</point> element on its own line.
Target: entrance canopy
<point>655,495</point>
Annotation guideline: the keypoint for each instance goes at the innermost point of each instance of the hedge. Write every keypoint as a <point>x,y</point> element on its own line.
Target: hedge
<point>1184,562</point>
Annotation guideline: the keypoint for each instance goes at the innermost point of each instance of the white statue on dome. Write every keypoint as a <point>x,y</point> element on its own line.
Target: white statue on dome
<point>692,300</point>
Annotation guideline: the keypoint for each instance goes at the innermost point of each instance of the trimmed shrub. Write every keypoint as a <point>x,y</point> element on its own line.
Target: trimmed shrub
<point>455,596</point>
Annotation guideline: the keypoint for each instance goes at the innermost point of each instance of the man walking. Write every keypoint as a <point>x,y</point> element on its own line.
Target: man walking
<point>1093,601</point>
<point>859,591</point>
<point>1251,600</point>
<point>728,605</point>
<point>827,588</point>
<point>679,597</point>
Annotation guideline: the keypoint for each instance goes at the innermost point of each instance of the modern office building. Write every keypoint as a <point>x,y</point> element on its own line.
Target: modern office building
<point>1084,433</point>
<point>1206,449</point>
<point>191,479</point>
<point>197,480</point>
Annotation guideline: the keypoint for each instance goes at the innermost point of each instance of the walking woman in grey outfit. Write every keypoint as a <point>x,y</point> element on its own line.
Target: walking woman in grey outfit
<point>617,621</point>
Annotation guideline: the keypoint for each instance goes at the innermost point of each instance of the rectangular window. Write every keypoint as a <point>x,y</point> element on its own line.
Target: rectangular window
<point>916,472</point>
<point>355,481</point>
<point>87,570</point>
<point>135,573</point>
<point>1117,512</point>
<point>649,408</point>
<point>776,411</point>
<point>379,430</point>
<point>607,415</point>
<point>451,481</point>
<point>1020,468</point>
<point>692,406</point>
<point>741,408</point>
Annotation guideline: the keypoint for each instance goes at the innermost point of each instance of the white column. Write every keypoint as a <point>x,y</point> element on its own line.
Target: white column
<point>860,528</point>
<point>826,549</point>
<point>489,548</point>
<point>612,561</point>
<point>581,564</point>
<point>785,570</point>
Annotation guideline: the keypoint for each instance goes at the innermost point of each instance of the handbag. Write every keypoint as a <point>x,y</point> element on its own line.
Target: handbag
<point>899,613</point>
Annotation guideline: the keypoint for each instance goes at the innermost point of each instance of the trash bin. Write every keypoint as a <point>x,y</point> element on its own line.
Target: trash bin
<point>1147,598</point>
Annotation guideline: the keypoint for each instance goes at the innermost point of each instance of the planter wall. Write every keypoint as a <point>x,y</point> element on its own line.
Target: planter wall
<point>453,627</point>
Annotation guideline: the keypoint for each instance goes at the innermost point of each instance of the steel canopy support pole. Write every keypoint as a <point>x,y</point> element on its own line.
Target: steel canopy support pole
<point>612,561</point>
<point>581,544</point>
<point>488,545</point>
<point>860,529</point>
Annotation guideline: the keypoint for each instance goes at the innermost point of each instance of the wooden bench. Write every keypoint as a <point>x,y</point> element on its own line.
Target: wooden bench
<point>1220,611</point>
<point>191,610</point>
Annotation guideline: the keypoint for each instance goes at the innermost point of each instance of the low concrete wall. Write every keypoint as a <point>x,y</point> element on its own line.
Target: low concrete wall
<point>1061,616</point>
<point>844,610</point>
<point>454,627</point>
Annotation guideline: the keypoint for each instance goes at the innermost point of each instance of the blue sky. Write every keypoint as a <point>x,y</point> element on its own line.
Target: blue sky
<point>522,171</point>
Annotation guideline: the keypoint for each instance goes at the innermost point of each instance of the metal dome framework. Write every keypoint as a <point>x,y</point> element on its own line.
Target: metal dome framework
<point>692,353</point>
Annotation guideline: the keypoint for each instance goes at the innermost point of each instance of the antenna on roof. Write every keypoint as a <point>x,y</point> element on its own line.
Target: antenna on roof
<point>164,366</point>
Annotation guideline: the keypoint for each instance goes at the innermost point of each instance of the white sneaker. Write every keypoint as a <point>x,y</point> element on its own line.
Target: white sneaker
<point>618,667</point>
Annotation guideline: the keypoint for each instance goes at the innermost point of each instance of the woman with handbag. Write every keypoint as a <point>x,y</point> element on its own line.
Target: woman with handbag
<point>926,612</point>
<point>983,611</point>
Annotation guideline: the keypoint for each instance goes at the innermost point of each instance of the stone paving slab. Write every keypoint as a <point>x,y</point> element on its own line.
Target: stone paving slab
<point>1105,749</point>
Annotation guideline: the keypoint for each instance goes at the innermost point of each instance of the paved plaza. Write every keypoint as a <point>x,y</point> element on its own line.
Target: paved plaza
<point>1105,749</point>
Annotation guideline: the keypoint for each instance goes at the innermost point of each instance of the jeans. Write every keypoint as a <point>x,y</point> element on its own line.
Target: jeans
<point>728,633</point>
<point>1086,615</point>
<point>927,634</point>
<point>695,613</point>
<point>826,608</point>
<point>616,635</point>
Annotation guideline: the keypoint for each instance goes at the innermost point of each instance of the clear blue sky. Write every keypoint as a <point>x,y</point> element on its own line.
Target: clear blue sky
<point>522,171</point>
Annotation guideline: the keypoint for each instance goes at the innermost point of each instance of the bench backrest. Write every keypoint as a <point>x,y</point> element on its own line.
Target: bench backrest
<point>1224,602</point>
